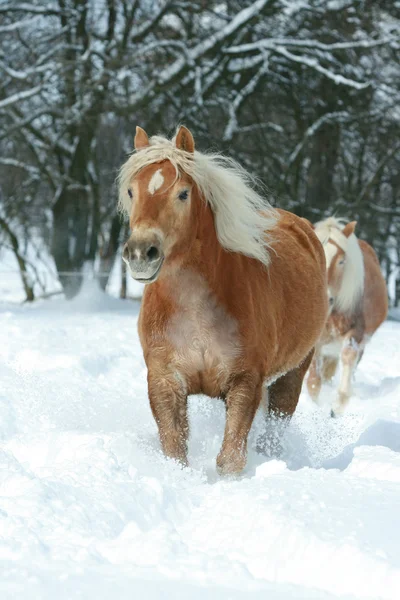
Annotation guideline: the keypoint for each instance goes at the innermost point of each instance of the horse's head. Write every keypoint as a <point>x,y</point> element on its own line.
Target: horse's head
<point>344,262</point>
<point>176,197</point>
<point>161,214</point>
<point>335,254</point>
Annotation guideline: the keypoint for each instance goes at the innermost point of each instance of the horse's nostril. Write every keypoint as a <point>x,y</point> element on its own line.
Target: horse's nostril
<point>152,253</point>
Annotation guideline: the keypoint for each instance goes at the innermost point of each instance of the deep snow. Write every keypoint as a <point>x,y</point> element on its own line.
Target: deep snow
<point>89,508</point>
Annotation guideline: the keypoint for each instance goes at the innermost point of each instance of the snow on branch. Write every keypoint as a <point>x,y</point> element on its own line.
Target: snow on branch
<point>237,22</point>
<point>23,75</point>
<point>189,58</point>
<point>328,117</point>
<point>161,45</point>
<point>17,25</point>
<point>272,43</point>
<point>205,46</point>
<point>386,210</point>
<point>312,63</point>
<point>141,32</point>
<point>242,64</point>
<point>12,162</point>
<point>240,98</point>
<point>29,8</point>
<point>19,96</point>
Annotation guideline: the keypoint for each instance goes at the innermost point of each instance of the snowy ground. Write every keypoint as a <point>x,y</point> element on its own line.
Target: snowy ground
<point>90,509</point>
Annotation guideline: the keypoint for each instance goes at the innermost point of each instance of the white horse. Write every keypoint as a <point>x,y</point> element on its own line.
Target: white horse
<point>358,298</point>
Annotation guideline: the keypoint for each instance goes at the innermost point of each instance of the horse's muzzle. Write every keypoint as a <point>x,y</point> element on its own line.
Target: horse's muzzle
<point>144,258</point>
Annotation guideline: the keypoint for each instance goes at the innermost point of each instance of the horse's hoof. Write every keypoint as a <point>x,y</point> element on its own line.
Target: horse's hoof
<point>230,466</point>
<point>335,415</point>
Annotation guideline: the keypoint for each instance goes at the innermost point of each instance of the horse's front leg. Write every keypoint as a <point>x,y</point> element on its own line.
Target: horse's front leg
<point>168,401</point>
<point>242,401</point>
<point>350,356</point>
<point>314,380</point>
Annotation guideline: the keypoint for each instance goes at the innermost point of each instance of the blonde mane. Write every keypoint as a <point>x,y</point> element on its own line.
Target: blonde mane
<point>352,287</point>
<point>242,217</point>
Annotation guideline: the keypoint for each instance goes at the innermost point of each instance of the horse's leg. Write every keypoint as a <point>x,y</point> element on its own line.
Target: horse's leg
<point>242,401</point>
<point>168,401</point>
<point>360,354</point>
<point>283,396</point>
<point>329,367</point>
<point>350,357</point>
<point>314,380</point>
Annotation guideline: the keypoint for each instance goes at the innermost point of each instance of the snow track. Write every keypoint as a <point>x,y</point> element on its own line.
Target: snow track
<point>89,508</point>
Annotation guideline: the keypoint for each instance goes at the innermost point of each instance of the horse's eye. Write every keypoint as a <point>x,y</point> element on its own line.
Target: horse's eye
<point>341,262</point>
<point>130,193</point>
<point>183,195</point>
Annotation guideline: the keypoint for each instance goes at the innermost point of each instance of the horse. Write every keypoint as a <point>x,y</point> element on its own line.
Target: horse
<point>235,295</point>
<point>358,306</point>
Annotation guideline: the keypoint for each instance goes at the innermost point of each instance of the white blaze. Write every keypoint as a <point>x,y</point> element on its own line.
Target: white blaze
<point>156,181</point>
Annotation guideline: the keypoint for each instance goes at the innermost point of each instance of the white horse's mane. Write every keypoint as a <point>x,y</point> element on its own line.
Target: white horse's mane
<point>242,216</point>
<point>352,286</point>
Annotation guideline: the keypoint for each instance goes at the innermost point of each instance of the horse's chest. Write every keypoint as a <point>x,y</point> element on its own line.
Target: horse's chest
<point>338,325</point>
<point>204,338</point>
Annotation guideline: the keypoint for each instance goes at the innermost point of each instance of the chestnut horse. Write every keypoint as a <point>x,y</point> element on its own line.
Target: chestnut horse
<point>236,294</point>
<point>358,299</point>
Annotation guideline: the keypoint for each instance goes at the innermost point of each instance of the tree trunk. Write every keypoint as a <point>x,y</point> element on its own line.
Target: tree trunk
<point>122,293</point>
<point>70,233</point>
<point>397,281</point>
<point>108,255</point>
<point>124,272</point>
<point>324,155</point>
<point>28,287</point>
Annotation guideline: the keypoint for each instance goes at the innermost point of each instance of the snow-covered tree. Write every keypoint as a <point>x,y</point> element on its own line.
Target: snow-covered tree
<point>305,94</point>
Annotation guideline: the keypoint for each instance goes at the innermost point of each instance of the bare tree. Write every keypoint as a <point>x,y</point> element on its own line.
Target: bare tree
<point>301,93</point>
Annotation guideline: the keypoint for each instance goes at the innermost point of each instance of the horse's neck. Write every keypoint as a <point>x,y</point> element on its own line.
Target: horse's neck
<point>204,258</point>
<point>210,257</point>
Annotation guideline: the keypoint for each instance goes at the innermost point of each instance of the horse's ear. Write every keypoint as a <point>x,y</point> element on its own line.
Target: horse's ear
<point>349,229</point>
<point>141,139</point>
<point>184,140</point>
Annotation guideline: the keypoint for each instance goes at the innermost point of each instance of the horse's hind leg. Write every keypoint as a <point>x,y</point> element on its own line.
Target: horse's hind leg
<point>242,401</point>
<point>329,367</point>
<point>350,356</point>
<point>283,396</point>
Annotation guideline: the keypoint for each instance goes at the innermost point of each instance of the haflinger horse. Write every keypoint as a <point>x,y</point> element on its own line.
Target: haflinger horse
<point>236,291</point>
<point>358,302</point>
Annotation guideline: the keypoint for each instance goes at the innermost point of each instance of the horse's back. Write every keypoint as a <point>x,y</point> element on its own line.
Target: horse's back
<point>375,305</point>
<point>299,233</point>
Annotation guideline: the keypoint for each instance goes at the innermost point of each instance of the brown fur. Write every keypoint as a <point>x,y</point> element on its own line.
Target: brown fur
<point>221,323</point>
<point>352,330</point>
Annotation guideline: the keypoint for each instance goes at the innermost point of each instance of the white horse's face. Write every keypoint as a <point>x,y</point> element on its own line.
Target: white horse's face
<point>335,264</point>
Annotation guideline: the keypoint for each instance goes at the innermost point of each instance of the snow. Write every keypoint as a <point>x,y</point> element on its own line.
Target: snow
<point>37,254</point>
<point>89,507</point>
